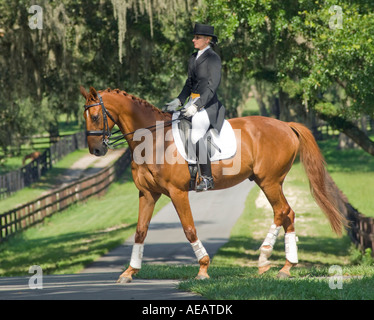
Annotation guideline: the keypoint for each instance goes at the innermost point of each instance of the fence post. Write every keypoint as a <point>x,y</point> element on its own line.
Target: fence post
<point>35,211</point>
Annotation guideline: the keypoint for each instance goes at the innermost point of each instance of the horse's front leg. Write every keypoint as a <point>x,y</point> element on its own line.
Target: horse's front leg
<point>147,201</point>
<point>182,205</point>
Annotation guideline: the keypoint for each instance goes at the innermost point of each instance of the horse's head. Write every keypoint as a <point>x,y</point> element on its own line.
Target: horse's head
<point>98,128</point>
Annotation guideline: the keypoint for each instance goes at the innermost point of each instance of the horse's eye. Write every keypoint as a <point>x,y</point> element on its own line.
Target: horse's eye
<point>95,117</point>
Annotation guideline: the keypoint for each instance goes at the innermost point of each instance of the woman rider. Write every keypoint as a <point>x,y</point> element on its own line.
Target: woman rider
<point>206,111</point>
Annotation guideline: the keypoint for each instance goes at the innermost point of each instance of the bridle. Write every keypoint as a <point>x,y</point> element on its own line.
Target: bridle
<point>106,131</point>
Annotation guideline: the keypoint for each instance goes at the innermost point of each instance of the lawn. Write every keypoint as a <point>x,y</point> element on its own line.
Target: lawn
<point>44,184</point>
<point>233,269</point>
<point>15,162</point>
<point>70,240</point>
<point>353,172</point>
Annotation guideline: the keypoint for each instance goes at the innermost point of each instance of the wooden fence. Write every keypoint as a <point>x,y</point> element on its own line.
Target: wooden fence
<point>34,212</point>
<point>360,228</point>
<point>18,179</point>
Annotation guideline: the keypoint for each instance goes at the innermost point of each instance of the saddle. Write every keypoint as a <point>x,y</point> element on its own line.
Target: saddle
<point>220,145</point>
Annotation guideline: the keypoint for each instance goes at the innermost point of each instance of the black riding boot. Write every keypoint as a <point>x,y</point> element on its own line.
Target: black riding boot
<point>206,181</point>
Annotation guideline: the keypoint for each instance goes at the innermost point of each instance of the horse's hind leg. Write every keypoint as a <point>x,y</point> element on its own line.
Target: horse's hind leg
<point>147,201</point>
<point>283,216</point>
<point>182,205</point>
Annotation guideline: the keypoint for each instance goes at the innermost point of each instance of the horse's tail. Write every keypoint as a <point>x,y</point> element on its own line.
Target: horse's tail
<point>314,164</point>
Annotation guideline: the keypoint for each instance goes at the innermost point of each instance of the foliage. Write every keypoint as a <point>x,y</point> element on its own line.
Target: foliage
<point>359,258</point>
<point>297,48</point>
<point>298,62</point>
<point>77,47</point>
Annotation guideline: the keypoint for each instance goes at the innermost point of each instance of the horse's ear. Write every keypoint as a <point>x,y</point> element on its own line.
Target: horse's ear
<point>93,92</point>
<point>84,92</point>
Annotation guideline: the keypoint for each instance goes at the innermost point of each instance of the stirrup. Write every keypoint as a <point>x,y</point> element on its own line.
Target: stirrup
<point>205,184</point>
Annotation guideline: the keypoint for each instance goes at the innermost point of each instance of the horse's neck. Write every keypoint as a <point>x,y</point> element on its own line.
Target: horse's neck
<point>137,115</point>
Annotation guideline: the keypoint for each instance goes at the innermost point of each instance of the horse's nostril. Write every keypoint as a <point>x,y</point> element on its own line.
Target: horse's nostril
<point>96,152</point>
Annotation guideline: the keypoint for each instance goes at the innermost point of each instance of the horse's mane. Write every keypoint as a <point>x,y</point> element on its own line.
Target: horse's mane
<point>139,101</point>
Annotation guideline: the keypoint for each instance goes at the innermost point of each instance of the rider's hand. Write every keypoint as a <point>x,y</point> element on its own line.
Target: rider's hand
<point>189,111</point>
<point>173,105</point>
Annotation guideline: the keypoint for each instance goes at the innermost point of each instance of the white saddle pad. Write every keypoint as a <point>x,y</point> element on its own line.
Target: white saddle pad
<point>225,141</point>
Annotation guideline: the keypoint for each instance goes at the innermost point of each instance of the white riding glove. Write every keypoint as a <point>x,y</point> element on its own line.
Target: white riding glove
<point>189,111</point>
<point>173,105</point>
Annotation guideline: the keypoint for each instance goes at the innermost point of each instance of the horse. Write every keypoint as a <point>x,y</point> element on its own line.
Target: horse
<point>34,155</point>
<point>266,150</point>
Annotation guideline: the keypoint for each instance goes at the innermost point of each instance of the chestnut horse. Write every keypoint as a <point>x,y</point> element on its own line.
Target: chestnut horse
<point>266,150</point>
<point>34,155</point>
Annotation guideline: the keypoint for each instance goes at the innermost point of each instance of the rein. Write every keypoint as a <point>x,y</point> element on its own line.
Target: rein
<point>107,133</point>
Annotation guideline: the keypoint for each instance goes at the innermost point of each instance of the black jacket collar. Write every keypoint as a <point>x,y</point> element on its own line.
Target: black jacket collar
<point>202,58</point>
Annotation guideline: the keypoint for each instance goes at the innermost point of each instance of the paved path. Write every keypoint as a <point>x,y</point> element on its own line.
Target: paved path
<point>215,212</point>
<point>87,165</point>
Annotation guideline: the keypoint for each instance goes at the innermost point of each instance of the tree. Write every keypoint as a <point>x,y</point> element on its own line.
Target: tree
<point>298,50</point>
<point>81,43</point>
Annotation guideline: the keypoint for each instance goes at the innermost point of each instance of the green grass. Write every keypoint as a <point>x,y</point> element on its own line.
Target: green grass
<point>44,184</point>
<point>15,162</point>
<point>70,240</point>
<point>233,270</point>
<point>251,108</point>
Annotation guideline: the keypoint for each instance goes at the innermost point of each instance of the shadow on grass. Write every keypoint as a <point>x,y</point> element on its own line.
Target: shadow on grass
<point>350,160</point>
<point>238,246</point>
<point>270,288</point>
<point>58,253</point>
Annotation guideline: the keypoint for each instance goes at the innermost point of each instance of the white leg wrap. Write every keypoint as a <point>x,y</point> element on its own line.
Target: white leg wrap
<point>199,250</point>
<point>137,255</point>
<point>265,253</point>
<point>270,239</point>
<point>272,235</point>
<point>290,240</point>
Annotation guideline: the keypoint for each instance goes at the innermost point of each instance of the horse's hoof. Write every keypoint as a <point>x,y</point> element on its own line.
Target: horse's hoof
<point>124,280</point>
<point>283,275</point>
<point>201,277</point>
<point>262,270</point>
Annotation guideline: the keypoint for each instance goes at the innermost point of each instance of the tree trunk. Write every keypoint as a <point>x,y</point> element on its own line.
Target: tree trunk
<point>351,130</point>
<point>260,100</point>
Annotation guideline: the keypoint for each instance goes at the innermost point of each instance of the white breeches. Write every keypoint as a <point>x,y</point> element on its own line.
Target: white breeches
<point>200,123</point>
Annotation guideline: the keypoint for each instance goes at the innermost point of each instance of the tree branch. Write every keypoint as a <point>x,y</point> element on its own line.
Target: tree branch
<point>351,130</point>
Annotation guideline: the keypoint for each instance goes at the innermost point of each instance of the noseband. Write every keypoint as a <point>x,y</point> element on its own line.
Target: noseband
<point>106,131</point>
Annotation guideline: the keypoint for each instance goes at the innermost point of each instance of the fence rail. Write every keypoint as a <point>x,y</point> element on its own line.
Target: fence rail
<point>36,211</point>
<point>360,228</point>
<point>23,177</point>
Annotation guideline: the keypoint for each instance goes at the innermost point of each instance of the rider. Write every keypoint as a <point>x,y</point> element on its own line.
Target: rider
<point>206,111</point>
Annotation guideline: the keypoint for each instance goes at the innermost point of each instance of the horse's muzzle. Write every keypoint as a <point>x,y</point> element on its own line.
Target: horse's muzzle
<point>99,150</point>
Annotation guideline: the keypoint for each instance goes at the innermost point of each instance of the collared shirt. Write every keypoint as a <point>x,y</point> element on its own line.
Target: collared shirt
<point>200,52</point>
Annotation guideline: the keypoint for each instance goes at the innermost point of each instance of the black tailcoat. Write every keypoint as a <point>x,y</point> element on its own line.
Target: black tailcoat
<point>204,77</point>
